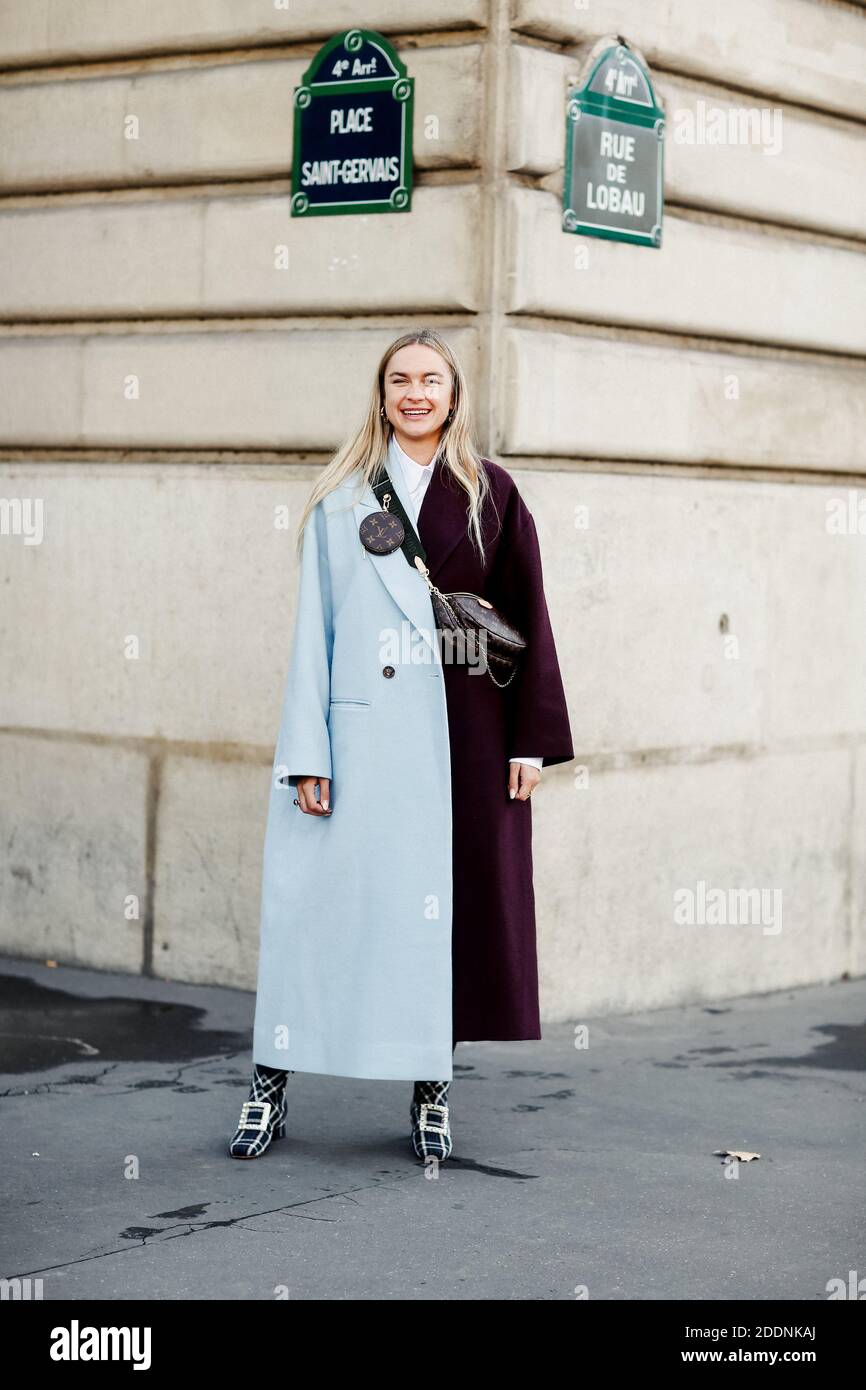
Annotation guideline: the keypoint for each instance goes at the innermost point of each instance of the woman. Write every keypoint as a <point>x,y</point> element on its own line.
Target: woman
<point>398,915</point>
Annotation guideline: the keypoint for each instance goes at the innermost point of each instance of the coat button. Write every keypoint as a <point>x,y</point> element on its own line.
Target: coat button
<point>388,671</point>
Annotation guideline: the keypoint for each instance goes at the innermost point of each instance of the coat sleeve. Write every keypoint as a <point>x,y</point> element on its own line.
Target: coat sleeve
<point>535,698</point>
<point>304,745</point>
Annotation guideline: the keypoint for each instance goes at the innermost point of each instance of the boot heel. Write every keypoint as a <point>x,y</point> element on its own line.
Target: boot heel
<point>280,1131</point>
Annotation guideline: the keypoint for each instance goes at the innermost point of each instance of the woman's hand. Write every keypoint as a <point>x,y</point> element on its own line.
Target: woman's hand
<point>307,796</point>
<point>521,780</point>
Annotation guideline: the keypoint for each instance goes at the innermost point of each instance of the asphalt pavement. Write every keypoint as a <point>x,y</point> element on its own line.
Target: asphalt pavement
<point>585,1165</point>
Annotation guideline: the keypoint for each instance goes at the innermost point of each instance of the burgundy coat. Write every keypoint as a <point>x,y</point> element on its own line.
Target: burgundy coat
<point>494,963</point>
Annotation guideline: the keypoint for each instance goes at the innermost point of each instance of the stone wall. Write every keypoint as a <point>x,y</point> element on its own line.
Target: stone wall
<point>678,421</point>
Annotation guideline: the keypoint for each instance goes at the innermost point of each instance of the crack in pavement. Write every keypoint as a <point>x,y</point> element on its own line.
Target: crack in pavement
<point>165,1233</point>
<point>46,1088</point>
<point>126,1088</point>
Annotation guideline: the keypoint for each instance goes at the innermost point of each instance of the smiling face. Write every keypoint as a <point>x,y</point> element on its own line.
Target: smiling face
<point>418,395</point>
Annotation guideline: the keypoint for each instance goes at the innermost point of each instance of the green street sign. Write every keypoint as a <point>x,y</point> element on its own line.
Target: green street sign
<point>614,132</point>
<point>353,130</point>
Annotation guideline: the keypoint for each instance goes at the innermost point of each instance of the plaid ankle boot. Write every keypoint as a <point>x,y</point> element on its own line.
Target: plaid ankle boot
<point>263,1116</point>
<point>431,1125</point>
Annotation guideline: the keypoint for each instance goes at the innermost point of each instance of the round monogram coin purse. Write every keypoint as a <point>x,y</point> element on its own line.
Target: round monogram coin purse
<point>382,532</point>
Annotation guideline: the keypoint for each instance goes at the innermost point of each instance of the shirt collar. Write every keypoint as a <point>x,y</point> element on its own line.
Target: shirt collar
<point>411,469</point>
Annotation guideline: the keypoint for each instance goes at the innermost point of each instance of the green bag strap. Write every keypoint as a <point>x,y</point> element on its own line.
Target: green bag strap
<point>411,541</point>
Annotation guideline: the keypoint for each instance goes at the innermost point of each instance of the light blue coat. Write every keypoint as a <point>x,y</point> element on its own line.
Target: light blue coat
<point>354,971</point>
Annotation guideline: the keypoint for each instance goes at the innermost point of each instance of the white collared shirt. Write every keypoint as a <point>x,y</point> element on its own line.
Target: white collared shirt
<point>417,477</point>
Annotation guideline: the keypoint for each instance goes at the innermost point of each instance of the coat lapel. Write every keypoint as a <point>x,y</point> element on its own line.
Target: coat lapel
<point>406,585</point>
<point>442,520</point>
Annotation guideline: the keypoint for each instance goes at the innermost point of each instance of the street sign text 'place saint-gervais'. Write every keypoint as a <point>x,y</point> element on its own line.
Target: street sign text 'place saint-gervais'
<point>613,153</point>
<point>353,130</point>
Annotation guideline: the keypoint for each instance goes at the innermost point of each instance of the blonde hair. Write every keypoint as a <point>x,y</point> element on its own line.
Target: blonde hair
<point>365,453</point>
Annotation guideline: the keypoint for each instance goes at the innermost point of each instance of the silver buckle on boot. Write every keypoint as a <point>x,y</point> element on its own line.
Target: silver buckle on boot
<point>262,1123</point>
<point>433,1128</point>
